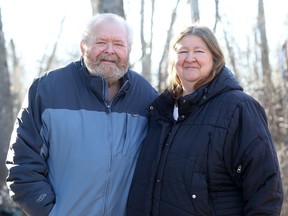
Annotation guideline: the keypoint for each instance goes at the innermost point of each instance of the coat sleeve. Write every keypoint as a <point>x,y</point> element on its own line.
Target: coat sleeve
<point>255,166</point>
<point>27,169</point>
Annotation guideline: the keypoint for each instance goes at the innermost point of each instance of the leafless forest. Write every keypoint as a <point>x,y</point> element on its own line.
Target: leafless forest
<point>262,75</point>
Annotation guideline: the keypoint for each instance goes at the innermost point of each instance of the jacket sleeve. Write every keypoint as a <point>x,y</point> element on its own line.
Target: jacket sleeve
<point>27,169</point>
<point>255,166</point>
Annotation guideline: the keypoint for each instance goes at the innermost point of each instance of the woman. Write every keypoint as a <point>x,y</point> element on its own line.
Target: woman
<point>208,150</point>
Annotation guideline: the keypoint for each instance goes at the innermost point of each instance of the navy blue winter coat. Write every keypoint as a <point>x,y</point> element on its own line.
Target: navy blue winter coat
<point>73,151</point>
<point>218,158</point>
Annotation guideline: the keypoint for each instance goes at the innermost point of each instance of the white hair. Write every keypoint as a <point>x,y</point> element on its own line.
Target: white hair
<point>107,17</point>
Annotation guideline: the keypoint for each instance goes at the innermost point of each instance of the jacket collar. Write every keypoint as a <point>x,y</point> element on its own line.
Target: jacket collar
<point>223,82</point>
<point>99,85</point>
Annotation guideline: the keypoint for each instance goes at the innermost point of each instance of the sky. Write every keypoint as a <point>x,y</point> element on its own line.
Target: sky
<point>34,25</point>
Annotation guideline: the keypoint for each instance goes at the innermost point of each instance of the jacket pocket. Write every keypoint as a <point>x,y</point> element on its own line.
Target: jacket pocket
<point>130,136</point>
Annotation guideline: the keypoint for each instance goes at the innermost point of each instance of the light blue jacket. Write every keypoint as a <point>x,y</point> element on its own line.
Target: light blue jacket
<point>72,151</point>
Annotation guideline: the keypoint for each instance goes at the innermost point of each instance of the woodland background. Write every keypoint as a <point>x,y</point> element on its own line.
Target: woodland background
<point>261,69</point>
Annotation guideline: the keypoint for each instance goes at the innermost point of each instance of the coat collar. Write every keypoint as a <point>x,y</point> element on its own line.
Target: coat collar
<point>223,82</point>
<point>99,85</point>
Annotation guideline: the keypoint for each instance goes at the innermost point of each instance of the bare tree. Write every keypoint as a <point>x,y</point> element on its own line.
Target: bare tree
<point>284,60</point>
<point>6,107</point>
<point>112,6</point>
<point>269,97</point>
<point>257,58</point>
<point>217,16</point>
<point>195,11</point>
<point>47,60</point>
<point>16,86</point>
<point>274,100</point>
<point>163,65</point>
<point>265,62</point>
<point>229,40</point>
<point>231,53</point>
<point>146,46</point>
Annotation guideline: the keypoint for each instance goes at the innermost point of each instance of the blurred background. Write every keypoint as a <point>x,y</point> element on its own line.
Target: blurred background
<point>40,35</point>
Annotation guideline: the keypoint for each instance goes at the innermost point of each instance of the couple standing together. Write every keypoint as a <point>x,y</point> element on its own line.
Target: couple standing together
<point>94,138</point>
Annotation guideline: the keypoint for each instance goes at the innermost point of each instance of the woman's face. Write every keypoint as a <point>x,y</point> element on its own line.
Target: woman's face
<point>194,61</point>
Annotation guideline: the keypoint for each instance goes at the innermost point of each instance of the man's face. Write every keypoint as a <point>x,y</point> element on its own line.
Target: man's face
<point>106,54</point>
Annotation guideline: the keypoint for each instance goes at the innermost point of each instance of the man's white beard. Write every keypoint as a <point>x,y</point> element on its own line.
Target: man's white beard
<point>110,71</point>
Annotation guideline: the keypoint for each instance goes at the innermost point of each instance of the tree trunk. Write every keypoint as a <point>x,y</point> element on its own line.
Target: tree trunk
<point>267,81</point>
<point>146,47</point>
<point>111,6</point>
<point>163,65</point>
<point>195,11</point>
<point>231,53</point>
<point>217,16</point>
<point>6,108</point>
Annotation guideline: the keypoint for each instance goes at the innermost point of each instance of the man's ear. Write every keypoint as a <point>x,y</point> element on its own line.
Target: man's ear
<point>82,46</point>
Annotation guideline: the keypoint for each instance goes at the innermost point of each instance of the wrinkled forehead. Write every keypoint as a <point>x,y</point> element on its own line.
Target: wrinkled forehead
<point>109,29</point>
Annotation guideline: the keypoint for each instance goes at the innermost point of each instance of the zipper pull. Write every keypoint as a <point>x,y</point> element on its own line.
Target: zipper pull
<point>239,169</point>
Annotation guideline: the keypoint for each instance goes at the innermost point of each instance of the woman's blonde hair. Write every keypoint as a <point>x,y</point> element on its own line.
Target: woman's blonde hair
<point>173,82</point>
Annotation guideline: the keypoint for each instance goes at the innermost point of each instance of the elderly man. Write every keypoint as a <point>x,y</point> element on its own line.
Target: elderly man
<point>75,142</point>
